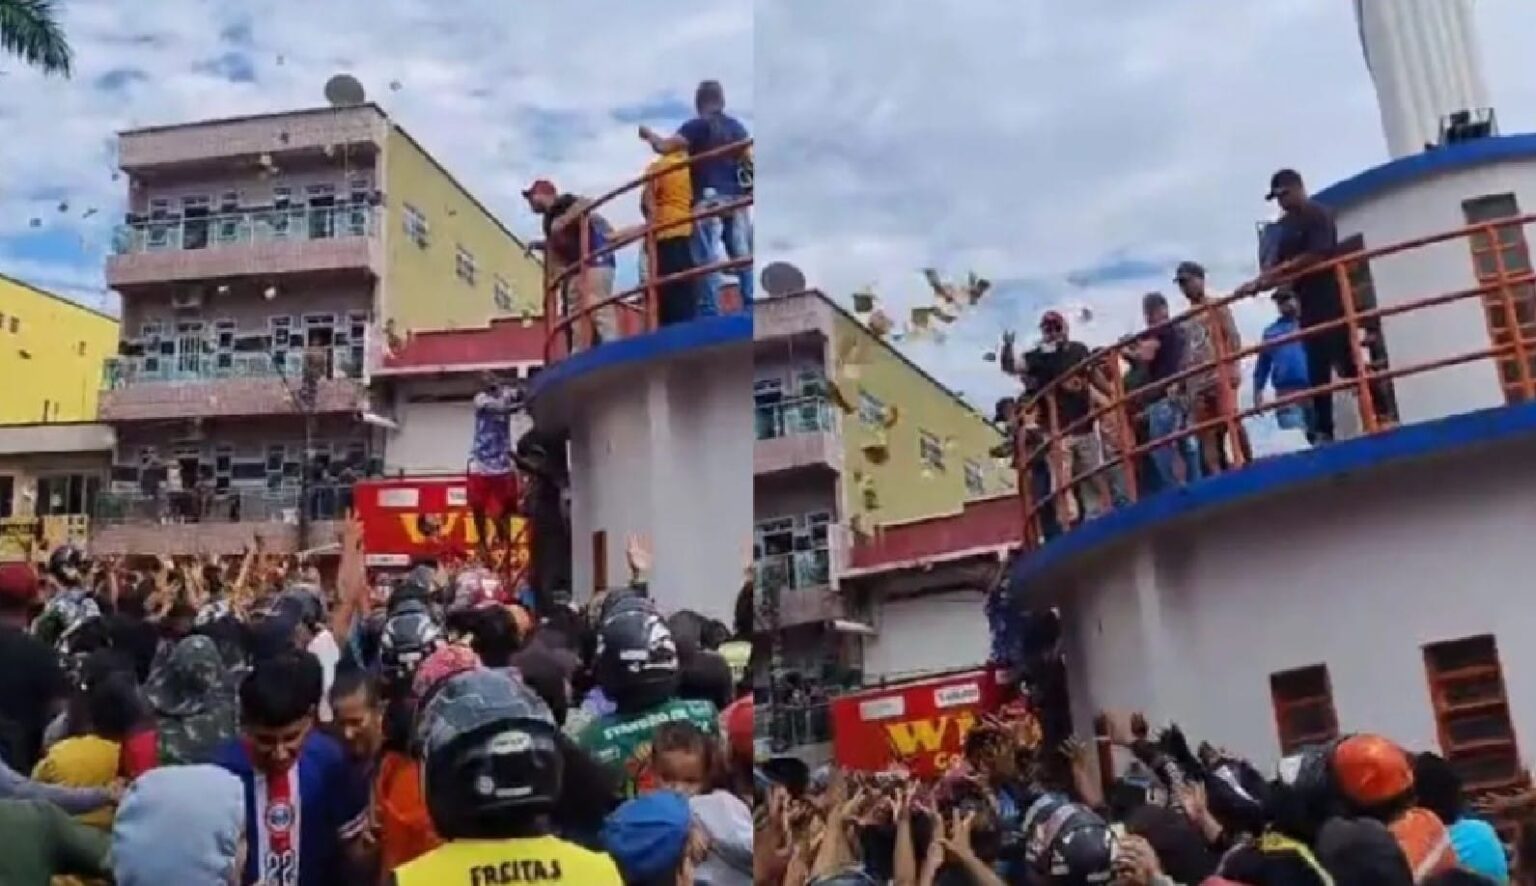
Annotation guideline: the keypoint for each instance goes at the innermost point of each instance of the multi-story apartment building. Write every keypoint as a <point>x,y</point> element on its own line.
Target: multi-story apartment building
<point>854,442</point>
<point>50,355</point>
<point>266,266</point>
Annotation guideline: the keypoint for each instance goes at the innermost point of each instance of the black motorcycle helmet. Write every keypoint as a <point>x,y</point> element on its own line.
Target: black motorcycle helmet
<point>636,658</point>
<point>1066,843</point>
<point>490,756</point>
<point>68,565</point>
<point>409,636</point>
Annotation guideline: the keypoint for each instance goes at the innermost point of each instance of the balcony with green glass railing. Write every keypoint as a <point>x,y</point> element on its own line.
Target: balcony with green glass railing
<point>339,363</point>
<point>255,242</point>
<point>796,588</point>
<point>795,434</point>
<point>233,229</point>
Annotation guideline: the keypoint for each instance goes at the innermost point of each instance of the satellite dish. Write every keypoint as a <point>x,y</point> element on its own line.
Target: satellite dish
<point>343,90</point>
<point>782,278</point>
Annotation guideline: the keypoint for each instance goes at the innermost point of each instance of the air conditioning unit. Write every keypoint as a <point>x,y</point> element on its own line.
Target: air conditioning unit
<point>187,301</point>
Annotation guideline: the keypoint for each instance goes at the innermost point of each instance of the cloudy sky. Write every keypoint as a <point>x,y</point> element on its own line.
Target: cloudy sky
<point>1070,151</point>
<point>500,91</point>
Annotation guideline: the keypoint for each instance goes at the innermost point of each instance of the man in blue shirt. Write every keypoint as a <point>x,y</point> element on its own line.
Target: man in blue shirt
<point>717,181</point>
<point>306,816</point>
<point>1283,365</point>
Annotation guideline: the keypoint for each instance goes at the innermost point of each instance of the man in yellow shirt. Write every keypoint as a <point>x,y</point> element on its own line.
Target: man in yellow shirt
<point>492,773</point>
<point>667,203</point>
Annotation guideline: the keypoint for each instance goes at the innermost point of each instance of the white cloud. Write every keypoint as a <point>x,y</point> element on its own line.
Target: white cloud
<point>479,80</point>
<point>1033,140</point>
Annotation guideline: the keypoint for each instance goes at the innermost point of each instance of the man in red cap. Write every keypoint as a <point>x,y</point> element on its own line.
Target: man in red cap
<point>593,283</point>
<point>34,687</point>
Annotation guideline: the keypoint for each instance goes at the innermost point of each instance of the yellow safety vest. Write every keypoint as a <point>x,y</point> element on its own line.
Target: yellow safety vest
<point>509,862</point>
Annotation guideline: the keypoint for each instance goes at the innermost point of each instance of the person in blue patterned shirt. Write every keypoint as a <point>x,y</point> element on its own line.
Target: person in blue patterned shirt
<point>493,487</point>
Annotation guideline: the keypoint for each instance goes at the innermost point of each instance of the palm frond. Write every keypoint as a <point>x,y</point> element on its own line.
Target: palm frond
<point>29,30</point>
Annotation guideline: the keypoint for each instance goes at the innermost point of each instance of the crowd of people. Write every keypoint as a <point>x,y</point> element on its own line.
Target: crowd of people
<point>1019,808</point>
<point>692,176</point>
<point>252,720</point>
<point>1180,377</point>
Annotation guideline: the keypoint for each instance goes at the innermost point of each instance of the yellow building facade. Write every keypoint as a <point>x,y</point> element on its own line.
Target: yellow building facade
<point>51,355</point>
<point>912,449</point>
<point>449,263</point>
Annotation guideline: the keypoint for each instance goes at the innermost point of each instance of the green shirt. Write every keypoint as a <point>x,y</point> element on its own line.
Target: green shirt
<point>38,842</point>
<point>623,741</point>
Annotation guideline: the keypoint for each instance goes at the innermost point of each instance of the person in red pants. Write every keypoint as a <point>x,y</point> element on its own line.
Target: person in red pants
<point>493,491</point>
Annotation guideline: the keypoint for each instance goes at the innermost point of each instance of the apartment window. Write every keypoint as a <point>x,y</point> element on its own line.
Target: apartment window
<point>195,212</point>
<point>501,293</point>
<point>229,201</point>
<point>415,225</point>
<point>15,325</point>
<point>1506,250</point>
<point>7,495</point>
<point>358,189</point>
<point>1362,289</point>
<point>931,450</point>
<point>2,322</point>
<point>871,409</point>
<point>464,265</point>
<point>810,383</point>
<point>975,481</point>
<point>80,349</point>
<point>1304,712</point>
<point>1467,693</point>
<point>66,494</point>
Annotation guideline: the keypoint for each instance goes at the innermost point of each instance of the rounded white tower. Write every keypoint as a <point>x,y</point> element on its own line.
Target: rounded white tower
<point>1423,57</point>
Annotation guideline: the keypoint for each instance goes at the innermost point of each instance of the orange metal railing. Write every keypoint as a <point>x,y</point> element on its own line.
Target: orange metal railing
<point>1508,296</point>
<point>638,307</point>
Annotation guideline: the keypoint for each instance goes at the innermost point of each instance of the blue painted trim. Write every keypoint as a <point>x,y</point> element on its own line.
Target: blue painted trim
<point>1406,170</point>
<point>666,342</point>
<point>1275,475</point>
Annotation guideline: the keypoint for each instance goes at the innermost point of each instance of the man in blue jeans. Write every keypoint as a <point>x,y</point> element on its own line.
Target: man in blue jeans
<point>1161,352</point>
<point>717,181</point>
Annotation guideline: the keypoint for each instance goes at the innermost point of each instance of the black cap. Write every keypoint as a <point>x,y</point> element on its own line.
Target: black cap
<point>1189,269</point>
<point>1285,178</point>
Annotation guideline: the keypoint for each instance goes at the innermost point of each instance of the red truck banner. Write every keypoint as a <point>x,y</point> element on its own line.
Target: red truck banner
<point>410,519</point>
<point>919,725</point>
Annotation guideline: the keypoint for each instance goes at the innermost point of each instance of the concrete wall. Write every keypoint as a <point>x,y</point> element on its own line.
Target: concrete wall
<point>51,361</point>
<point>421,290</point>
<point>1421,209</point>
<point>667,455</point>
<point>1357,575</point>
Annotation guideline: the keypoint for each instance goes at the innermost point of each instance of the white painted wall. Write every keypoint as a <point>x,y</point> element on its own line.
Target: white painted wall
<point>939,632</point>
<point>1422,209</point>
<point>664,451</point>
<point>1357,574</point>
<point>1424,60</point>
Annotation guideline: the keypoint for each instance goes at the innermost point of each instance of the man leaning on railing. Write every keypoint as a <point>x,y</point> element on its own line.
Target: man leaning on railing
<point>1308,237</point>
<point>588,284</point>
